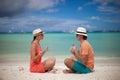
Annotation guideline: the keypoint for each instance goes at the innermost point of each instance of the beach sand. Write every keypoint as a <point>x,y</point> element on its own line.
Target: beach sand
<point>18,69</point>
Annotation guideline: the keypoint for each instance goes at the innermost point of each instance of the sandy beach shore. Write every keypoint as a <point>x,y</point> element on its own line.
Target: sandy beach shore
<point>105,69</point>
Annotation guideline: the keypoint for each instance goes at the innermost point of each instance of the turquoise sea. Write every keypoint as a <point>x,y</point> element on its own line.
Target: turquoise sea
<point>17,45</point>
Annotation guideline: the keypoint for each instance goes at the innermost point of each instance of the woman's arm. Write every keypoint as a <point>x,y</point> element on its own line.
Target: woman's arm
<point>43,52</point>
<point>33,49</point>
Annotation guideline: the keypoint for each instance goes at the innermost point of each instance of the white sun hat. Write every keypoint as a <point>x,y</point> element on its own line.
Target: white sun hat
<point>81,31</point>
<point>36,31</point>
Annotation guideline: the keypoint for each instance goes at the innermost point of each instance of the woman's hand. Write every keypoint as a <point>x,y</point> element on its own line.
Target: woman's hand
<point>41,53</point>
<point>46,49</point>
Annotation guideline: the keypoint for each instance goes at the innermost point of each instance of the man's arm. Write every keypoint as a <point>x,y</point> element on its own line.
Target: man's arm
<point>80,54</point>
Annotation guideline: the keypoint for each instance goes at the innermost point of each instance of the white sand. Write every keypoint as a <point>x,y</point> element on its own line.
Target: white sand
<point>105,69</point>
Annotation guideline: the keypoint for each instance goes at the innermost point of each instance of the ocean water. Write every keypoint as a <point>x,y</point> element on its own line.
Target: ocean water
<point>18,45</point>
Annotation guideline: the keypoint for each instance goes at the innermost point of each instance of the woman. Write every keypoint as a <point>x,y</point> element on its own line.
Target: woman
<point>36,54</point>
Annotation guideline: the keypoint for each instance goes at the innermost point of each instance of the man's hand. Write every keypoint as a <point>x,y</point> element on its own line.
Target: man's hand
<point>73,49</point>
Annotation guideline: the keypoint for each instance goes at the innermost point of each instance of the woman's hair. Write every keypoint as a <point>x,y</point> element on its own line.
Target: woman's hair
<point>85,37</point>
<point>34,38</point>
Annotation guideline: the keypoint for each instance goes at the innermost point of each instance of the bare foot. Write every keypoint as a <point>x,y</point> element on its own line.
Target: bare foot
<point>53,71</point>
<point>68,71</point>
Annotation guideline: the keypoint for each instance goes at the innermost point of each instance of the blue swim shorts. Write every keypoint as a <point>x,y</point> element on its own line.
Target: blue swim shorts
<point>80,68</point>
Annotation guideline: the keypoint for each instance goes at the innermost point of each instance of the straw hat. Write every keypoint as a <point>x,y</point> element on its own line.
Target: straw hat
<point>81,31</point>
<point>36,31</point>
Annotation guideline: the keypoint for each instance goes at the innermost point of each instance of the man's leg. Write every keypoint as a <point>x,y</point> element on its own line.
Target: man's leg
<point>69,63</point>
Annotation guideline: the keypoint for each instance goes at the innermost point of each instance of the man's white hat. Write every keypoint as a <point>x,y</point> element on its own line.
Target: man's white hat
<point>81,31</point>
<point>36,31</point>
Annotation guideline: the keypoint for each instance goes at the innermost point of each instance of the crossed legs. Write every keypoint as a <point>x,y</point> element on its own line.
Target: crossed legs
<point>69,62</point>
<point>49,63</point>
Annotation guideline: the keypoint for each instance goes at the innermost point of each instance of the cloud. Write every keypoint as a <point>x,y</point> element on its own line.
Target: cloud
<point>41,4</point>
<point>10,8</point>
<point>79,8</point>
<point>52,10</point>
<point>95,18</point>
<point>106,19</point>
<point>103,2</point>
<point>107,9</point>
<point>89,27</point>
<point>107,2</point>
<point>106,6</point>
<point>30,23</point>
<point>111,19</point>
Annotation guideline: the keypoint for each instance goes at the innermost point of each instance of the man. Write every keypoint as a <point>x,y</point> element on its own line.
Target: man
<point>83,59</point>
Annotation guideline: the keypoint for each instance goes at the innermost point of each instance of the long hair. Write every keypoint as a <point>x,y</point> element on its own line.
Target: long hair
<point>34,38</point>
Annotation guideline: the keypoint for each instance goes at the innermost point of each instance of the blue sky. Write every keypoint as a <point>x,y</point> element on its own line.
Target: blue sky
<point>59,15</point>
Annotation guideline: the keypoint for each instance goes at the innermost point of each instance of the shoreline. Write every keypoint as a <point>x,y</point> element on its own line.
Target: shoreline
<point>59,59</point>
<point>105,69</point>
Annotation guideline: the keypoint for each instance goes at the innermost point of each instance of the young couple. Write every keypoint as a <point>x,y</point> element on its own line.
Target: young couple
<point>82,60</point>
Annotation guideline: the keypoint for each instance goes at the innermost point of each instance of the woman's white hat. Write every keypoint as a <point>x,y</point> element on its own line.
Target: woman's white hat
<point>36,31</point>
<point>81,31</point>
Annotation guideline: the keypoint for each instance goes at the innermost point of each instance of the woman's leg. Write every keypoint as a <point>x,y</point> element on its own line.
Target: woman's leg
<point>49,63</point>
